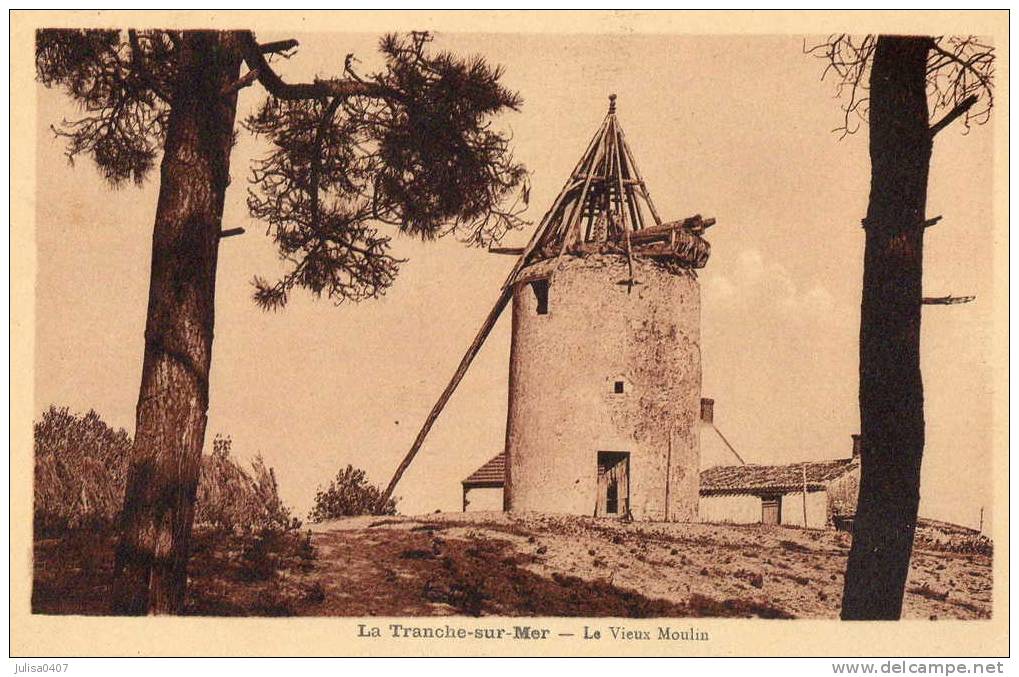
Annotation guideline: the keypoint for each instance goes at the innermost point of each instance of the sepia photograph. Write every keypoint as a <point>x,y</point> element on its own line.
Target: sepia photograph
<point>555,333</point>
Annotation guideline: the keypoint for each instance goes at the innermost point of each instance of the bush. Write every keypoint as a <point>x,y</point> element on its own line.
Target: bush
<point>81,473</point>
<point>231,499</point>
<point>80,470</point>
<point>348,495</point>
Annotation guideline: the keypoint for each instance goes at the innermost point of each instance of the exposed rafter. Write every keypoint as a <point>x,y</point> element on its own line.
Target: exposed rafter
<point>604,197</point>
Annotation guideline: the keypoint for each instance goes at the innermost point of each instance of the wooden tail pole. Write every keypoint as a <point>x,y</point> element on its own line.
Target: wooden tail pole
<point>458,375</point>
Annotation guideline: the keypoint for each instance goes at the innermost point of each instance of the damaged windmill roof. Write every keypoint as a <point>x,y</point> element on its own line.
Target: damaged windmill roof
<point>605,207</point>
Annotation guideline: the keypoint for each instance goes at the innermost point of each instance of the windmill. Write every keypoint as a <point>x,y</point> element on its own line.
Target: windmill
<point>604,211</point>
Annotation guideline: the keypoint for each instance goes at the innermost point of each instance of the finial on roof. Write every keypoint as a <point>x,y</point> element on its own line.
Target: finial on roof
<point>612,104</point>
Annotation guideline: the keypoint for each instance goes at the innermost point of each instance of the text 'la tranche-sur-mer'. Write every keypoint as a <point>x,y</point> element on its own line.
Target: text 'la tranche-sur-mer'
<point>527,632</point>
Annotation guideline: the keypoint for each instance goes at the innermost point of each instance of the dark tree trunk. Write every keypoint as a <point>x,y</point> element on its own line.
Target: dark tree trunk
<point>162,480</point>
<point>891,389</point>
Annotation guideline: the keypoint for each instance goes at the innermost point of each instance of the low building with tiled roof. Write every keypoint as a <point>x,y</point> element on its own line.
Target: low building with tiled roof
<point>816,494</point>
<point>813,493</point>
<point>755,479</point>
<point>483,490</point>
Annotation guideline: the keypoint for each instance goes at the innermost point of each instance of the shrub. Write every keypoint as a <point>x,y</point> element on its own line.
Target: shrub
<point>262,556</point>
<point>80,470</point>
<point>81,473</point>
<point>350,494</point>
<point>231,499</point>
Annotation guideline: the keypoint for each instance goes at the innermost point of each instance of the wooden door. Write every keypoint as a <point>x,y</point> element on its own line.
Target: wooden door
<point>613,484</point>
<point>771,510</point>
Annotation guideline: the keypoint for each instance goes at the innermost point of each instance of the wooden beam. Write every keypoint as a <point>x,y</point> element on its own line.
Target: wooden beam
<point>230,232</point>
<point>728,445</point>
<point>622,183</point>
<point>514,251</point>
<point>539,232</point>
<point>702,225</point>
<point>629,261</point>
<point>636,172</point>
<point>465,362</point>
<point>598,152</point>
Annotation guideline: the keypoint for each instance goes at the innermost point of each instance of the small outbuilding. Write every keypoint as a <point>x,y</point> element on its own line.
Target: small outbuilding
<point>814,494</point>
<point>483,490</point>
<point>798,494</point>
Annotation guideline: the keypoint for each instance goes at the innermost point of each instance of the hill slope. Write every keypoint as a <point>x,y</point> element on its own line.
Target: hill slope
<point>537,565</point>
<point>494,563</point>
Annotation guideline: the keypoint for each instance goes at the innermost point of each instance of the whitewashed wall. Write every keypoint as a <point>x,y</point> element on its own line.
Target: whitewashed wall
<point>817,509</point>
<point>484,499</point>
<point>735,509</point>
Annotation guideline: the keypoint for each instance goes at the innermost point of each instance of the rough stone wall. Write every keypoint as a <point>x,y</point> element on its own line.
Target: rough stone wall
<point>843,493</point>
<point>563,367</point>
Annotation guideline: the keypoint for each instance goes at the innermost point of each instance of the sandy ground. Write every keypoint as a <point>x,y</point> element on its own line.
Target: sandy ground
<point>495,563</point>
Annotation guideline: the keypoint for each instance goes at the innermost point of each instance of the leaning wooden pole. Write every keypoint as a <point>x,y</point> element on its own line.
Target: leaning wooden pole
<point>458,375</point>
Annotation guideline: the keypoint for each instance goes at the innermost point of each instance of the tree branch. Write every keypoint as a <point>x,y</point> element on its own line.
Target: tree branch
<point>138,64</point>
<point>278,47</point>
<point>951,115</point>
<point>945,300</point>
<point>319,89</point>
<point>245,80</point>
<point>316,160</point>
<point>965,65</point>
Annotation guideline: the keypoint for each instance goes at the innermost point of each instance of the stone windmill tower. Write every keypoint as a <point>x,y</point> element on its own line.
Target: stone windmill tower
<point>605,369</point>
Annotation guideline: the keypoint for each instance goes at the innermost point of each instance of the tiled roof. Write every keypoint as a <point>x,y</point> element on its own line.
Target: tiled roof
<point>719,479</point>
<point>492,474</point>
<point>761,478</point>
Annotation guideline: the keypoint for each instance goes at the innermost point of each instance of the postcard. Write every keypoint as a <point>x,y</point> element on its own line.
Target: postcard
<point>509,333</point>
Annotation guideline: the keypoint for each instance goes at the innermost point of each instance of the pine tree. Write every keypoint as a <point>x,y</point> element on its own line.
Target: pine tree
<point>409,147</point>
<point>896,84</point>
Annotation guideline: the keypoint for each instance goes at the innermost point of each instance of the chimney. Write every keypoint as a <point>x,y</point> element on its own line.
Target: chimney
<point>707,410</point>
<point>857,445</point>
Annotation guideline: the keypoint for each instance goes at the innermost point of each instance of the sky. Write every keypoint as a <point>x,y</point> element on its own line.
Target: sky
<point>735,128</point>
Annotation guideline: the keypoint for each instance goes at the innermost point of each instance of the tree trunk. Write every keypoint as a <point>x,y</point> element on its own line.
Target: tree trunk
<point>891,389</point>
<point>150,573</point>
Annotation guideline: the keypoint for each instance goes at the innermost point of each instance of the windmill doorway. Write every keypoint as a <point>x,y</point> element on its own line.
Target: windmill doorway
<point>613,484</point>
